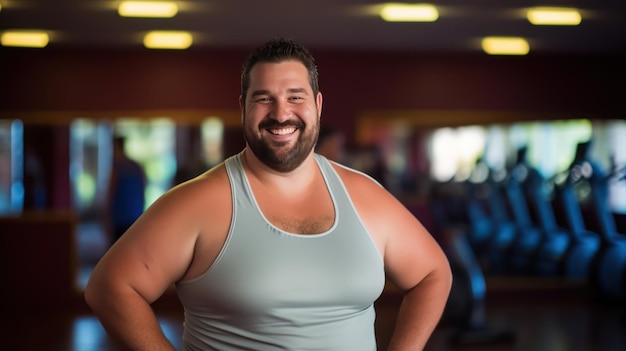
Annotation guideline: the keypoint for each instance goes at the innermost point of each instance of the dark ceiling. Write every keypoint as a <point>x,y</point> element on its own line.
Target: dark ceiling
<point>323,24</point>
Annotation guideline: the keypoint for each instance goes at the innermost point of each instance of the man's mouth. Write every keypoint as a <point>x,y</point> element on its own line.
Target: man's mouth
<point>282,131</point>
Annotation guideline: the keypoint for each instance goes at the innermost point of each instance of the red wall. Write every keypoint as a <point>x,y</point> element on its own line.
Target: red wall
<point>580,86</point>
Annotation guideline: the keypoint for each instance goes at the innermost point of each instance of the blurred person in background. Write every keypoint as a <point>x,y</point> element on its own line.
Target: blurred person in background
<point>126,196</point>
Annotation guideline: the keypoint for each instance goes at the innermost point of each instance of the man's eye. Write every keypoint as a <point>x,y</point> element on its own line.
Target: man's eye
<point>263,99</point>
<point>295,98</point>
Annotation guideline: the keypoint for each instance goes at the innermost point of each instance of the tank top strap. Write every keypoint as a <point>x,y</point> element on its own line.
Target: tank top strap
<point>238,180</point>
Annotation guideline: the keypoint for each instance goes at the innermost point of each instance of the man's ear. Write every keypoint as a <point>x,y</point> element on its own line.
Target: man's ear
<point>319,103</point>
<point>241,103</point>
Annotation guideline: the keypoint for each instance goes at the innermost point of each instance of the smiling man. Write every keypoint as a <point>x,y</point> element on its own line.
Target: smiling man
<point>276,248</point>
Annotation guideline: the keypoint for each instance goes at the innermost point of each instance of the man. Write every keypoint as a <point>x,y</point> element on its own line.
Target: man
<point>276,248</point>
<point>127,185</point>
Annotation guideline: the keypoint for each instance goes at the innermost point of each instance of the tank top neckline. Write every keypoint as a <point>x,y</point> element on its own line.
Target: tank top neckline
<point>252,197</point>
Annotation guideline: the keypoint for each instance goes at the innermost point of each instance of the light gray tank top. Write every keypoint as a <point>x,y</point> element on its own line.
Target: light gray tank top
<point>273,290</point>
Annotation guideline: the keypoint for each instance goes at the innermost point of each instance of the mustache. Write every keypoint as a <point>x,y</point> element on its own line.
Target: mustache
<point>273,124</point>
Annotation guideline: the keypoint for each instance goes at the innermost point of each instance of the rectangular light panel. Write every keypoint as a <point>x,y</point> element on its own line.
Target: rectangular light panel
<point>554,16</point>
<point>156,9</point>
<point>168,40</point>
<point>505,46</point>
<point>395,12</point>
<point>23,38</point>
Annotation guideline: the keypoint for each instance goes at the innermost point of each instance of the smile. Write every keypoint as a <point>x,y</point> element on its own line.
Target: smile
<point>282,131</point>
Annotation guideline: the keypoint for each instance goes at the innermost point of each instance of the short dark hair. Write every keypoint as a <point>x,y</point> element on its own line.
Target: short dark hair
<point>119,140</point>
<point>278,50</point>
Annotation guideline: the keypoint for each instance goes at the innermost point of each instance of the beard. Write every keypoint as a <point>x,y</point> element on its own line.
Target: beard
<point>279,156</point>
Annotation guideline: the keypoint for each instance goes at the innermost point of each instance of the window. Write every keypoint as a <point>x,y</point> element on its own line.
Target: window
<point>11,167</point>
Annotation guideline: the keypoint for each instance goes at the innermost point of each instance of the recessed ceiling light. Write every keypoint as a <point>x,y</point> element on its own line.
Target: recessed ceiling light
<point>505,46</point>
<point>160,9</point>
<point>167,40</point>
<point>24,38</point>
<point>396,12</point>
<point>554,16</point>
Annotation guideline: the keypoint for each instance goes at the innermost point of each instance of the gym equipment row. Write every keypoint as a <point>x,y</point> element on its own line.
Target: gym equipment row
<point>524,224</point>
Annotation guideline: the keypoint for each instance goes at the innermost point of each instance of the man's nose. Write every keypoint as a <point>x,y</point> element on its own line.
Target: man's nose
<point>282,111</point>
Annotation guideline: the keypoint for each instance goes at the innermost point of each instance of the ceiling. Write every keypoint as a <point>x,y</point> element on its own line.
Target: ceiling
<point>323,24</point>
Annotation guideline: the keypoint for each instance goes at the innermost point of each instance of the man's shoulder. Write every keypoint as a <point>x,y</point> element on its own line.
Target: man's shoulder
<point>353,175</point>
<point>211,184</point>
<point>200,198</point>
<point>214,176</point>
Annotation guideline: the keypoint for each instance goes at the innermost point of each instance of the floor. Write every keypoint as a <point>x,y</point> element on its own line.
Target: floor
<point>521,313</point>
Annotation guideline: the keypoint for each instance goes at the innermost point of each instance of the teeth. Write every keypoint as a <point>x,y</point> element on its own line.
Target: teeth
<point>282,131</point>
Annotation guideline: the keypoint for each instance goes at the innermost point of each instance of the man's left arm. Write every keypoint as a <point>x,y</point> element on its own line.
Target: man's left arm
<point>414,261</point>
<point>416,264</point>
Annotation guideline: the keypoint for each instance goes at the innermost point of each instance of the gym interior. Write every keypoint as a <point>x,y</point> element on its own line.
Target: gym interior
<point>516,165</point>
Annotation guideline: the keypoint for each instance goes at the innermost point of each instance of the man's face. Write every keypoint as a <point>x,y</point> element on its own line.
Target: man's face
<point>281,114</point>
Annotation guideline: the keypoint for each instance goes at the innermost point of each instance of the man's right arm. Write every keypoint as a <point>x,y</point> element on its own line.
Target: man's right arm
<point>152,255</point>
<point>126,315</point>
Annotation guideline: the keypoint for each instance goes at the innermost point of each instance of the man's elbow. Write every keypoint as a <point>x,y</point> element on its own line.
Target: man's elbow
<point>91,295</point>
<point>95,295</point>
<point>445,275</point>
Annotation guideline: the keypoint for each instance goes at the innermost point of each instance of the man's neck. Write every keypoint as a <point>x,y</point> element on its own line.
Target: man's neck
<point>295,179</point>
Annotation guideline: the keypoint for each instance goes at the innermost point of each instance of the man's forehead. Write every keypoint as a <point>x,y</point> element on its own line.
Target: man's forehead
<point>290,65</point>
<point>285,70</point>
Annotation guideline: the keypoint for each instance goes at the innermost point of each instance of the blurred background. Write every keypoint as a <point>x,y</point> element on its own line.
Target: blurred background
<point>514,160</point>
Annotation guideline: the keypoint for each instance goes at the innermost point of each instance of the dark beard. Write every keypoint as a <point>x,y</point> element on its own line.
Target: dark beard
<point>278,158</point>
